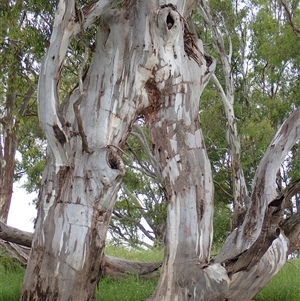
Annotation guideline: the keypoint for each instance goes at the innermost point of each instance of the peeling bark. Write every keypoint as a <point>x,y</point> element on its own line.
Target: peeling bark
<point>179,149</point>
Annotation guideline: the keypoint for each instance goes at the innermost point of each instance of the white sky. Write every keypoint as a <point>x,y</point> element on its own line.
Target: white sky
<point>22,211</point>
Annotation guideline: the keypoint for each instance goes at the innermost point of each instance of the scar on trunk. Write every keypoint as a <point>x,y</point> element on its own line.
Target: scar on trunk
<point>154,97</point>
<point>114,160</point>
<point>59,134</point>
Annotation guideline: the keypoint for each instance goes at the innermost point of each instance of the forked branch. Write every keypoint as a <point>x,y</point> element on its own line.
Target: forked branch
<point>270,230</point>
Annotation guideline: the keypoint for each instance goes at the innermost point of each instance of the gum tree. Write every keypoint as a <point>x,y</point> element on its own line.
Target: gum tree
<point>146,63</point>
<point>23,37</point>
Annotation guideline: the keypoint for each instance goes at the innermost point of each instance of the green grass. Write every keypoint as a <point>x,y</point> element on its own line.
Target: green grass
<point>130,288</point>
<point>136,255</point>
<point>11,276</point>
<point>285,286</point>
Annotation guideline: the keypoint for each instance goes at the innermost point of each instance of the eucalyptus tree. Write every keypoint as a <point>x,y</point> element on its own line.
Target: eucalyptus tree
<point>146,62</point>
<point>21,45</point>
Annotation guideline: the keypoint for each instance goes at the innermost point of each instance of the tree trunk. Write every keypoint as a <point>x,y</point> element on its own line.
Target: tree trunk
<point>146,63</point>
<point>181,155</point>
<point>7,155</point>
<point>85,136</point>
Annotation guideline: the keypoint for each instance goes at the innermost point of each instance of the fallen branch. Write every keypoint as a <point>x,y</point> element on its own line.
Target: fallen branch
<point>17,243</point>
<point>15,235</point>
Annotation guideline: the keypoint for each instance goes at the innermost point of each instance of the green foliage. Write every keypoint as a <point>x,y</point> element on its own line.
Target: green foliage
<point>265,70</point>
<point>222,215</point>
<point>149,255</point>
<point>23,39</point>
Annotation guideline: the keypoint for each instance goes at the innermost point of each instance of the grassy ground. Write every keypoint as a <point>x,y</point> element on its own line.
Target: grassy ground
<point>130,288</point>
<point>283,287</point>
<point>11,275</point>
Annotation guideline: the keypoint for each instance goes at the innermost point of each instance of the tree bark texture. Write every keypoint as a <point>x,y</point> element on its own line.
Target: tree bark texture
<point>146,63</point>
<point>79,187</point>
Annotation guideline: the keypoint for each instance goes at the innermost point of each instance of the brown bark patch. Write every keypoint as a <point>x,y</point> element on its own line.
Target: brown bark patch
<point>154,96</point>
<point>64,176</point>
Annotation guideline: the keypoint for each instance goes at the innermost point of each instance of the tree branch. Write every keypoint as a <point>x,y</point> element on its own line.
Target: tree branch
<point>66,26</point>
<point>270,230</point>
<point>15,235</point>
<point>240,191</point>
<point>291,228</point>
<point>111,266</point>
<point>290,18</point>
<point>77,103</point>
<point>219,185</point>
<point>139,134</point>
<point>26,99</point>
<point>264,188</point>
<point>133,220</point>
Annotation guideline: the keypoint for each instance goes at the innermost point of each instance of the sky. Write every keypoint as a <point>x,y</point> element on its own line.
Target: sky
<point>22,211</point>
